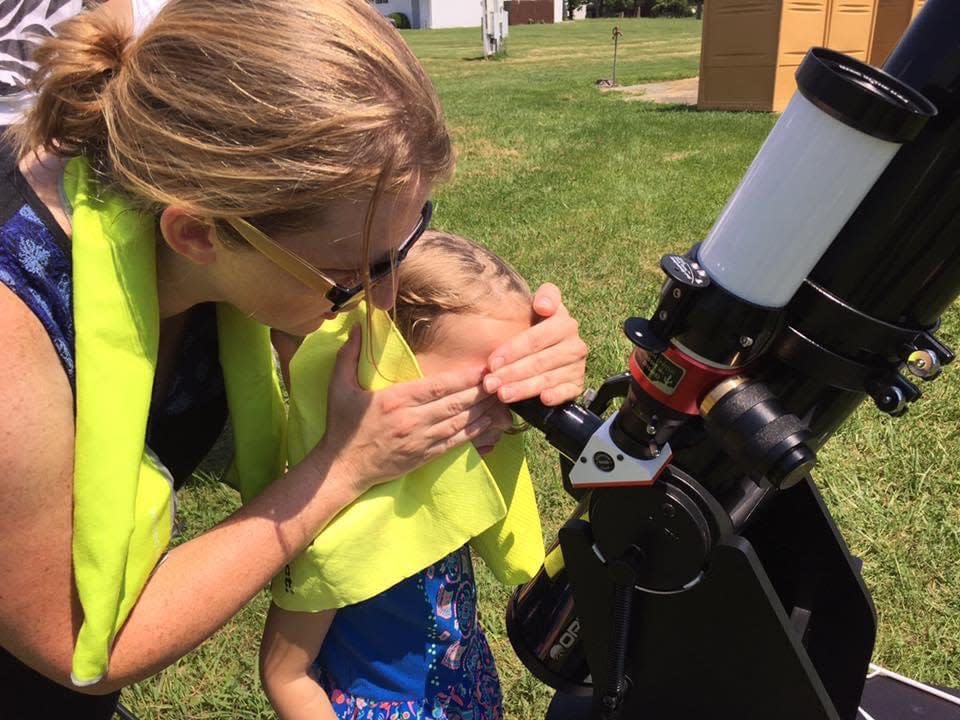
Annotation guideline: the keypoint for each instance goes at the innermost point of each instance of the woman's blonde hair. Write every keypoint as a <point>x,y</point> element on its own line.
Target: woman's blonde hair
<point>447,274</point>
<point>264,109</point>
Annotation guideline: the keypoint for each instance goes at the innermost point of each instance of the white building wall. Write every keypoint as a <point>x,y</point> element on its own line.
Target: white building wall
<point>450,13</point>
<point>557,11</point>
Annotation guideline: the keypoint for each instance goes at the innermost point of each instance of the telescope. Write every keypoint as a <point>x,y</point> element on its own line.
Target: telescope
<point>701,574</point>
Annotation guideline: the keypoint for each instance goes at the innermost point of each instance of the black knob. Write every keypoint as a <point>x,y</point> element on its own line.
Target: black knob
<point>750,424</point>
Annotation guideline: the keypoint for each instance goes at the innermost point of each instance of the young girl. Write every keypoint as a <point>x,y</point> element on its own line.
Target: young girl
<point>415,650</point>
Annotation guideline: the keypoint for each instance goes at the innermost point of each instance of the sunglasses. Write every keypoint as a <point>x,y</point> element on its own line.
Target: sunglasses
<point>341,296</point>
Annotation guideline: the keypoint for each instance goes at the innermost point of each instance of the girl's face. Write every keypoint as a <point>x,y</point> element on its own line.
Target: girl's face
<point>468,340</point>
<point>269,294</point>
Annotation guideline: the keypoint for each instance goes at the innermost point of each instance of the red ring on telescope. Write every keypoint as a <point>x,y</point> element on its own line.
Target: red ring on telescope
<point>675,379</point>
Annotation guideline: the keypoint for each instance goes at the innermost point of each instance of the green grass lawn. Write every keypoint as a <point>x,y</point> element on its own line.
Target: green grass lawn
<point>586,190</point>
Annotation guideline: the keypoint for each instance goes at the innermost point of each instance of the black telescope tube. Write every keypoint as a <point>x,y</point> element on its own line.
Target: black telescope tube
<point>897,258</point>
<point>567,427</point>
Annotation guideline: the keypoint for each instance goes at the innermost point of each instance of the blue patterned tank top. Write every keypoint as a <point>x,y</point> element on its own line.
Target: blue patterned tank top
<point>413,651</point>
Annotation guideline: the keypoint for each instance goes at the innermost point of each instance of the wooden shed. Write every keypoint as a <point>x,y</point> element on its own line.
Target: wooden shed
<point>751,48</point>
<point>893,16</point>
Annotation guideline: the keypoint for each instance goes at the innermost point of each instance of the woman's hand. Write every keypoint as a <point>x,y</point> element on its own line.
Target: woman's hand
<point>375,436</point>
<point>548,360</point>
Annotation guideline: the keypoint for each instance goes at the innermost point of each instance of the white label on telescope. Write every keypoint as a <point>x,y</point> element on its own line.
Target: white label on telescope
<point>661,371</point>
<point>808,178</point>
<point>603,464</point>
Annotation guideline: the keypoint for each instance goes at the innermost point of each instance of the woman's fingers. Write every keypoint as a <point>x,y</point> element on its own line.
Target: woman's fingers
<point>542,336</point>
<point>553,359</point>
<point>474,429</point>
<point>455,386</point>
<point>553,387</point>
<point>548,360</point>
<point>348,357</point>
<point>374,436</point>
<point>560,364</point>
<point>562,393</point>
<point>546,300</point>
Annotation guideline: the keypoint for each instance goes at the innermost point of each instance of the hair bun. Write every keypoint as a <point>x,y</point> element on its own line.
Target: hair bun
<point>74,70</point>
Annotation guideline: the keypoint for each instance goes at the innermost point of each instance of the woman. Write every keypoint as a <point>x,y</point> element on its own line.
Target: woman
<point>279,155</point>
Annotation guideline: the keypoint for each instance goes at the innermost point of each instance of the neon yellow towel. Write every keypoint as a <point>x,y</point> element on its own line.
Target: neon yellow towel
<point>401,527</point>
<point>122,497</point>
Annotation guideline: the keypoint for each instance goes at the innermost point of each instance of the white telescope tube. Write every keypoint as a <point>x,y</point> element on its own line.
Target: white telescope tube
<point>816,166</point>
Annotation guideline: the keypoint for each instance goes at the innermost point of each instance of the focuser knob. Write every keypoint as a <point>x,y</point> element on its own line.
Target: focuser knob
<point>751,424</point>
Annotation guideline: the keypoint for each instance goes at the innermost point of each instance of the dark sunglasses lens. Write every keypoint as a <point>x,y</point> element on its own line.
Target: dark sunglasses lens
<point>380,270</point>
<point>344,298</point>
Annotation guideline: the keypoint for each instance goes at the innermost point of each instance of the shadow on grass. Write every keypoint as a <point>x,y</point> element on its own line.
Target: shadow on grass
<point>496,57</point>
<point>672,108</point>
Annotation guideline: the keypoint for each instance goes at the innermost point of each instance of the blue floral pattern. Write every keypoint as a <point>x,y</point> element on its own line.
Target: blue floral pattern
<point>459,680</point>
<point>35,267</point>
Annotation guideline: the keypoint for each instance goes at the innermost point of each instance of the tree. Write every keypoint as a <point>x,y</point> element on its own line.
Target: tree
<point>627,7</point>
<point>630,8</point>
<point>671,8</point>
<point>572,5</point>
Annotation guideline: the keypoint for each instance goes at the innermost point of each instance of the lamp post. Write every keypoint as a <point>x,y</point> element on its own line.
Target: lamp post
<point>617,34</point>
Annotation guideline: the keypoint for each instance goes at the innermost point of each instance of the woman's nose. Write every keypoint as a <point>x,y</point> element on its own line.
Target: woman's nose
<point>383,294</point>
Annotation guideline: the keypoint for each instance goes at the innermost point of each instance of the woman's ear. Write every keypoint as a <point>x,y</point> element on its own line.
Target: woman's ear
<point>187,235</point>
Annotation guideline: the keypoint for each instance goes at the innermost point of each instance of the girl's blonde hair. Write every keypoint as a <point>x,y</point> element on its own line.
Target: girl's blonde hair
<point>447,274</point>
<point>264,109</point>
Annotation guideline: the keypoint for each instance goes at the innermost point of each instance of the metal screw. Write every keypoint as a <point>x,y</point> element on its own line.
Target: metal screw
<point>662,315</point>
<point>891,400</point>
<point>669,510</point>
<point>677,293</point>
<point>651,429</point>
<point>745,341</point>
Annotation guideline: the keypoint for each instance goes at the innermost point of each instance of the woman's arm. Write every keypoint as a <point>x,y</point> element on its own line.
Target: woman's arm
<point>194,591</point>
<point>202,583</point>
<point>291,642</point>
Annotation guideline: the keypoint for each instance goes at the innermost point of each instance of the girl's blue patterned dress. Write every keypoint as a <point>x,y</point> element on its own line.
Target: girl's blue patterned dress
<point>414,651</point>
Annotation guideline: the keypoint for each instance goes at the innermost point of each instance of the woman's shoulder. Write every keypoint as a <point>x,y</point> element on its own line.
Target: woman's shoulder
<point>35,261</point>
